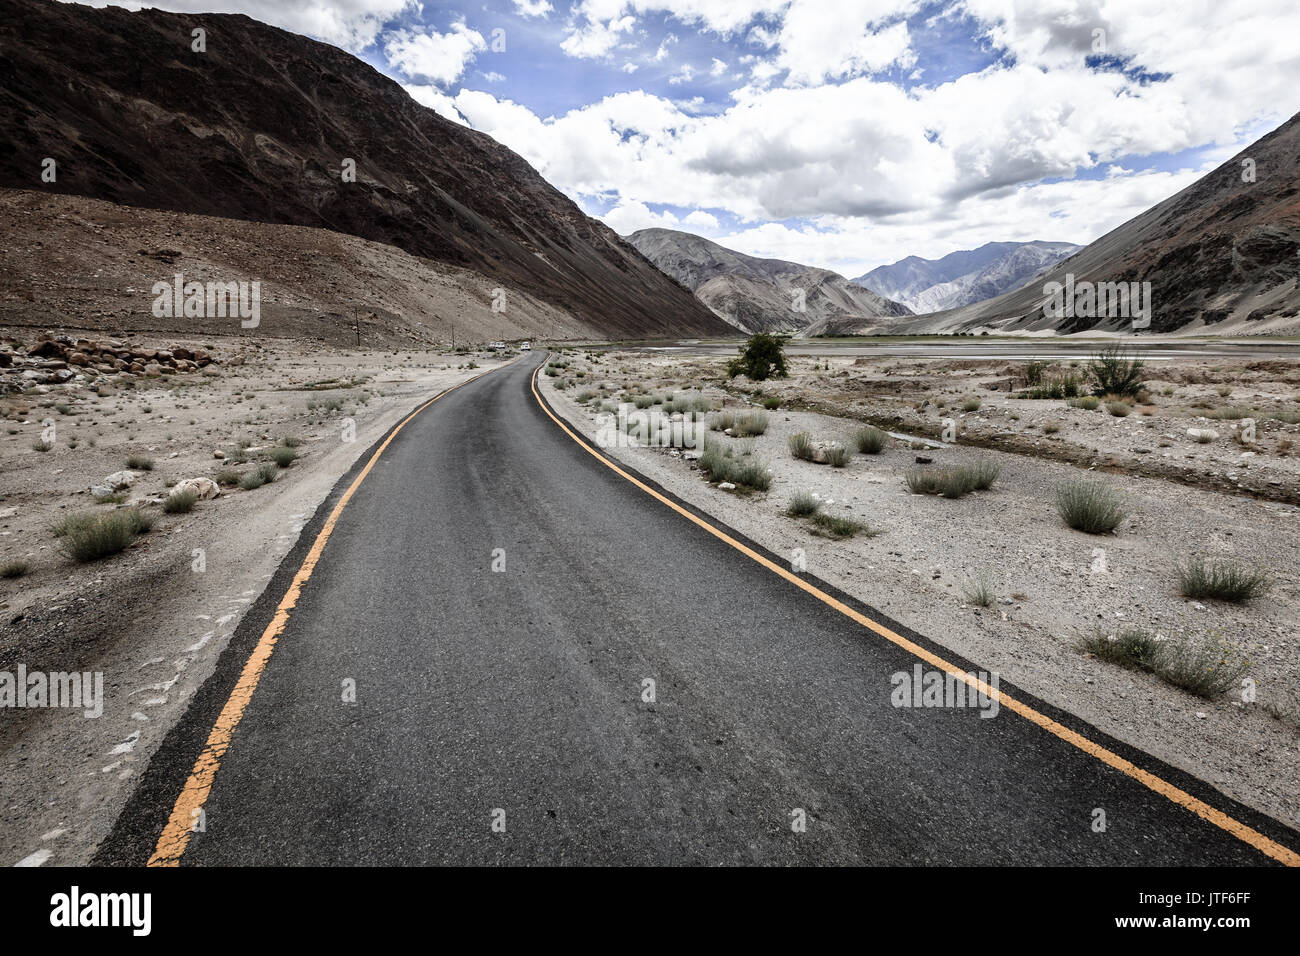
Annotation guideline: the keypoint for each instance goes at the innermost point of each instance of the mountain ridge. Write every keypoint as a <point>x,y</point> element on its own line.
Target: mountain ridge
<point>754,294</point>
<point>257,128</point>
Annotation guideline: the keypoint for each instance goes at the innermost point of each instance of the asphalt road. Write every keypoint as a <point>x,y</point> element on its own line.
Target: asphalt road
<point>520,690</point>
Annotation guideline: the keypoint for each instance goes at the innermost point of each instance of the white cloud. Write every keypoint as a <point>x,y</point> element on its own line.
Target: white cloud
<point>597,40</point>
<point>699,219</point>
<point>351,24</point>
<point>821,40</point>
<point>533,8</point>
<point>441,57</point>
<point>436,100</point>
<point>718,68</point>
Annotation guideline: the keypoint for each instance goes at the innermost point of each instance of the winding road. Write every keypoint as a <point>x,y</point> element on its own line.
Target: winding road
<point>500,598</point>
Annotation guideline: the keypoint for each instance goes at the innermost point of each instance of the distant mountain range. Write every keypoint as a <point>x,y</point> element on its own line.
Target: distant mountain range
<point>262,126</point>
<point>960,278</point>
<point>1219,257</point>
<point>763,295</point>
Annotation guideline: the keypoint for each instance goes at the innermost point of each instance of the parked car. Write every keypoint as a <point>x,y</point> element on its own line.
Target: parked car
<point>525,347</point>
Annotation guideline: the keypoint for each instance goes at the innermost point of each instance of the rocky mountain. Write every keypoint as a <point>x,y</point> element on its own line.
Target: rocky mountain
<point>762,295</point>
<point>965,276</point>
<point>1221,257</point>
<point>262,125</point>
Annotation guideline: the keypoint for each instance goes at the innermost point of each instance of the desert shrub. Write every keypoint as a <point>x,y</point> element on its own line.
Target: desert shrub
<point>803,504</point>
<point>870,440</point>
<point>1205,664</point>
<point>979,591</point>
<point>90,537</point>
<point>228,476</point>
<point>750,424</point>
<point>282,456</point>
<point>837,455</point>
<point>180,502</point>
<point>1119,409</point>
<point>839,528</point>
<point>1131,647</point>
<point>14,569</point>
<point>42,445</point>
<point>762,357</point>
<point>801,446</point>
<point>1116,370</point>
<point>1089,506</point>
<point>139,463</point>
<point>744,471</point>
<point>1220,580</point>
<point>971,405</point>
<point>1088,402</point>
<point>771,403</point>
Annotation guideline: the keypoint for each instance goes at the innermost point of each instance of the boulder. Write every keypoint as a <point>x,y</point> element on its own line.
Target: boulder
<point>205,488</point>
<point>121,479</point>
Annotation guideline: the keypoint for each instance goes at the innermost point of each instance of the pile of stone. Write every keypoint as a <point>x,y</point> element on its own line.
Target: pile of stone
<point>60,358</point>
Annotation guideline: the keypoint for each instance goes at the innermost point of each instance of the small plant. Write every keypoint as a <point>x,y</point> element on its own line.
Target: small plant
<point>870,440</point>
<point>1087,402</point>
<point>90,537</point>
<point>721,464</point>
<point>1206,665</point>
<point>1133,647</point>
<point>837,455</point>
<point>14,569</point>
<point>180,502</point>
<point>263,474</point>
<point>139,463</point>
<point>832,526</point>
<point>1089,506</point>
<point>228,476</point>
<point>290,441</point>
<point>971,405</point>
<point>282,456</point>
<point>112,498</point>
<point>803,504</point>
<point>750,424</point>
<point>771,403</point>
<point>801,446</point>
<point>1050,428</point>
<point>979,591</point>
<point>1220,580</point>
<point>42,445</point>
<point>1119,409</point>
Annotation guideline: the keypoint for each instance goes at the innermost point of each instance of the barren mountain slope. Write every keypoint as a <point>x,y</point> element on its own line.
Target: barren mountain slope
<point>759,295</point>
<point>1222,257</point>
<point>258,126</point>
<point>73,263</point>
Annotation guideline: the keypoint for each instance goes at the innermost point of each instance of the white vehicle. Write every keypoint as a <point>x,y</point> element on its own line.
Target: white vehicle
<point>498,346</point>
<point>525,347</point>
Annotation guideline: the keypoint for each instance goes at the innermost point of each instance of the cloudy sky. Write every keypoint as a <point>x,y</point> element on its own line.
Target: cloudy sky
<point>840,133</point>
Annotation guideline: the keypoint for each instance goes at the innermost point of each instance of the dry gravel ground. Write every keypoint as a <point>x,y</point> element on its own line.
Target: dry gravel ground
<point>148,618</point>
<point>1050,591</point>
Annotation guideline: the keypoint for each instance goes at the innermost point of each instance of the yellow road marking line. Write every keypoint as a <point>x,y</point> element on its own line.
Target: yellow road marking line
<point>1202,809</point>
<point>175,836</point>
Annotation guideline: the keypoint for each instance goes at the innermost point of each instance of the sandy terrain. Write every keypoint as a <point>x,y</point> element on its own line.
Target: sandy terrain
<point>149,619</point>
<point>1051,589</point>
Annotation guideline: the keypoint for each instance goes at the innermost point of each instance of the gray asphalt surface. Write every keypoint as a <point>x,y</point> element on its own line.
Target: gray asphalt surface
<point>520,690</point>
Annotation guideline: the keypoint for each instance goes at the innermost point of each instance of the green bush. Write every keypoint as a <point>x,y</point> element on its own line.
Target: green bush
<point>870,440</point>
<point>14,569</point>
<point>1220,580</point>
<point>832,526</point>
<point>90,537</point>
<point>282,456</point>
<point>762,357</point>
<point>139,463</point>
<point>1089,402</point>
<point>1116,370</point>
<point>1089,506</point>
<point>837,456</point>
<point>803,504</point>
<point>801,446</point>
<point>180,502</point>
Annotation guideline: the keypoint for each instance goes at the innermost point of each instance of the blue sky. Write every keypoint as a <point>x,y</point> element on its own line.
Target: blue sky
<point>841,133</point>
